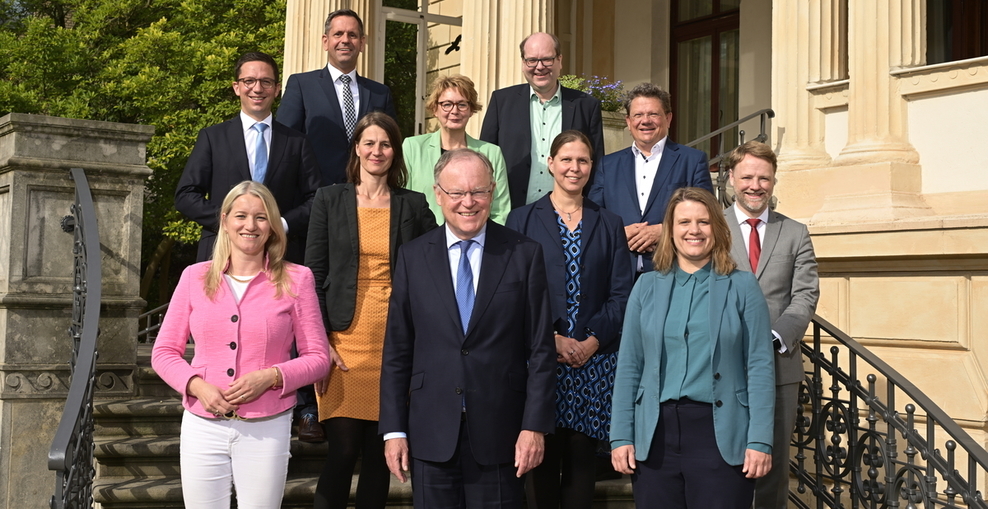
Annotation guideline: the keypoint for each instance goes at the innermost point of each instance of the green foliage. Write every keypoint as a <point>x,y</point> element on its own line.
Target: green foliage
<point>609,93</point>
<point>166,63</point>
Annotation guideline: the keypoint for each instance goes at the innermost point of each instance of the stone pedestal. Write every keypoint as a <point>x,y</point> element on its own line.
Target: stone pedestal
<point>36,279</point>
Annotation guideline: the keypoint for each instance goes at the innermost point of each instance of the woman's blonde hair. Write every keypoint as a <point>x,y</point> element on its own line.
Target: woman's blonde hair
<point>461,84</point>
<point>274,249</point>
<point>665,254</point>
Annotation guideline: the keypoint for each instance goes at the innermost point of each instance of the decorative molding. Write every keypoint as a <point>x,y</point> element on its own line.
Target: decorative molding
<point>829,95</point>
<point>52,381</point>
<point>945,77</point>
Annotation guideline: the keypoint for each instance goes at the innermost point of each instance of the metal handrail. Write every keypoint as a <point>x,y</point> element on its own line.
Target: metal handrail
<point>71,453</point>
<point>846,463</point>
<point>721,188</point>
<point>149,322</point>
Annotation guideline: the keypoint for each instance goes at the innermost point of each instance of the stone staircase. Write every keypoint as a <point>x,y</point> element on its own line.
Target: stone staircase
<point>137,449</point>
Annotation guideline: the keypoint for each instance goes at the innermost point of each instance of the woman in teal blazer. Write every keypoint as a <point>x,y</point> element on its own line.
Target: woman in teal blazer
<point>453,101</point>
<point>694,392</point>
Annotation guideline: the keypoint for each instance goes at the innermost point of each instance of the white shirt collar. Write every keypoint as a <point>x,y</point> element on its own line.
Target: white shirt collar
<point>249,122</point>
<point>336,73</point>
<point>480,238</point>
<point>742,217</point>
<point>656,149</point>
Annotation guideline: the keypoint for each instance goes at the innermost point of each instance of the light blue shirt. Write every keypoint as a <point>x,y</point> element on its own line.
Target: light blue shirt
<point>686,341</point>
<point>547,123</point>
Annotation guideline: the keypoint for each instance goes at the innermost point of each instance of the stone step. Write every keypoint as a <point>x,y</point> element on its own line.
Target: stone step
<point>138,417</point>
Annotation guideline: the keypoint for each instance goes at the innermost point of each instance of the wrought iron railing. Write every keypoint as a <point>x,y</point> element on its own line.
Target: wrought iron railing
<point>149,322</point>
<point>720,189</point>
<point>71,453</point>
<point>855,448</point>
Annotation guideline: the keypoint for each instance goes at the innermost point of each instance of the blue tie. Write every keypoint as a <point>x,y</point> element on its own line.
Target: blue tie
<point>464,284</point>
<point>260,153</point>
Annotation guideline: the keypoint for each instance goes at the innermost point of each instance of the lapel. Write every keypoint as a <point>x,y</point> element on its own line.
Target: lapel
<point>737,241</point>
<point>524,131</point>
<point>626,169</point>
<point>335,113</point>
<point>235,140</point>
<point>568,107</point>
<point>670,155</point>
<point>719,286</point>
<point>437,259</point>
<point>350,206</point>
<point>397,202</point>
<point>773,229</point>
<point>276,151</point>
<point>364,94</point>
<point>547,218</point>
<point>492,269</point>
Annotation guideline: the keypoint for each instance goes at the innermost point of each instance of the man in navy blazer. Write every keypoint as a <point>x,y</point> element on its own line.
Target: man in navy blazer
<point>469,366</point>
<point>636,183</point>
<point>524,119</point>
<point>326,104</point>
<point>786,269</point>
<point>226,154</point>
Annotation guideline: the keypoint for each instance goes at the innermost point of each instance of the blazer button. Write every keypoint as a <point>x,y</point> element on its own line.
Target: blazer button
<point>719,403</point>
<point>233,345</point>
<point>229,372</point>
<point>234,318</point>
<point>465,352</point>
<point>459,391</point>
<point>716,375</point>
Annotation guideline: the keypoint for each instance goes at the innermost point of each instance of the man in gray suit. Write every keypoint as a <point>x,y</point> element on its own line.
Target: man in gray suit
<point>779,252</point>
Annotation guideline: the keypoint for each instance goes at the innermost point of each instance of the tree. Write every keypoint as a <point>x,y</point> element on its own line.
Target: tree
<point>166,63</point>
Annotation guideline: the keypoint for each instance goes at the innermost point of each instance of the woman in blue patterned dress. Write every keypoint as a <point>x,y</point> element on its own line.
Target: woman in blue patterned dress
<point>589,272</point>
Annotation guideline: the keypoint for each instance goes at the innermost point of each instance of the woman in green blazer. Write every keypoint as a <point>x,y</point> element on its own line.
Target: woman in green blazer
<point>453,101</point>
<point>694,392</point>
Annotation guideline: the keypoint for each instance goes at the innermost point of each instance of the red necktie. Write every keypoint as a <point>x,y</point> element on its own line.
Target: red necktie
<point>754,246</point>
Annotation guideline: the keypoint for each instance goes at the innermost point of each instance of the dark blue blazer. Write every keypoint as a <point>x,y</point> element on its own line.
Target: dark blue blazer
<point>614,187</point>
<point>507,124</point>
<point>310,105</point>
<point>605,276</point>
<point>503,368</point>
<point>219,162</point>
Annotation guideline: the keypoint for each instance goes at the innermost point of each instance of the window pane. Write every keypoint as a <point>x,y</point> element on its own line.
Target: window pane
<point>401,71</point>
<point>690,9</point>
<point>729,86</point>
<point>412,5</point>
<point>693,89</point>
<point>728,5</point>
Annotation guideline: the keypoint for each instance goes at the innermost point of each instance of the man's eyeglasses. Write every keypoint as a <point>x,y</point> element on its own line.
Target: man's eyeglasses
<point>479,195</point>
<point>447,106</point>
<point>532,63</point>
<point>266,83</point>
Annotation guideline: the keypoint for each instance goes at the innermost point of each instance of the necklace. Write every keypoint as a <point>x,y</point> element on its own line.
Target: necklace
<point>237,279</point>
<point>569,215</point>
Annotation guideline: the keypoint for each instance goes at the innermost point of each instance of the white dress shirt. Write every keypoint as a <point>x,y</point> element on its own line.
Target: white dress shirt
<point>354,89</point>
<point>645,170</point>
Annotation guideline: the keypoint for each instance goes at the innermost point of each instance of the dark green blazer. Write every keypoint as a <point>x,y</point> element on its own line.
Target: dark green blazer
<point>333,246</point>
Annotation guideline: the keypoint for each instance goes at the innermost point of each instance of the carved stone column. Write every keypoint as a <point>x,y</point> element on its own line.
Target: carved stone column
<point>305,22</point>
<point>492,30</point>
<point>36,280</point>
<point>879,168</point>
<point>797,57</point>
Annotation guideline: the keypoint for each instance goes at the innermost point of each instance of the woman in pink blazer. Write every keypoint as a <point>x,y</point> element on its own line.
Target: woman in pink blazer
<point>243,310</point>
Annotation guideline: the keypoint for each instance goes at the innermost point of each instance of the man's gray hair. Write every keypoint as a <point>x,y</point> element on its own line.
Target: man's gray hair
<point>461,153</point>
<point>648,90</point>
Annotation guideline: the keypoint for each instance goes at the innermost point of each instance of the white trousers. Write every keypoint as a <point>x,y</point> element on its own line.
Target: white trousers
<point>251,455</point>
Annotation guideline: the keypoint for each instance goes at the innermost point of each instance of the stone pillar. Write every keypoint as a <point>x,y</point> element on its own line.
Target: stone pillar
<point>492,30</point>
<point>36,280</point>
<point>797,56</point>
<point>305,22</point>
<point>879,166</point>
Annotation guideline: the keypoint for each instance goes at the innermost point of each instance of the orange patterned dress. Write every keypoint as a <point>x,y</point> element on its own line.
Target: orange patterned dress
<point>356,393</point>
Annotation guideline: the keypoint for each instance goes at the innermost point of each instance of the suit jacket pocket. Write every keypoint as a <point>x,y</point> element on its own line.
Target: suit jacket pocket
<point>416,382</point>
<point>513,286</point>
<point>743,397</point>
<point>640,395</point>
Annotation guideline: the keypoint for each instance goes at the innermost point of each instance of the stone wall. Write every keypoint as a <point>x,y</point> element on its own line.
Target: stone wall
<point>36,280</point>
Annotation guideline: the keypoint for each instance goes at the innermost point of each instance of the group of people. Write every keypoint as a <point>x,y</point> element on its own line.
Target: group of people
<point>464,312</point>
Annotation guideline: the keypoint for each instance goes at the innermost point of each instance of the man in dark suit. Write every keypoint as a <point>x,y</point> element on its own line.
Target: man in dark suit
<point>251,146</point>
<point>636,183</point>
<point>779,252</point>
<point>468,376</point>
<point>326,104</point>
<point>524,119</point>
